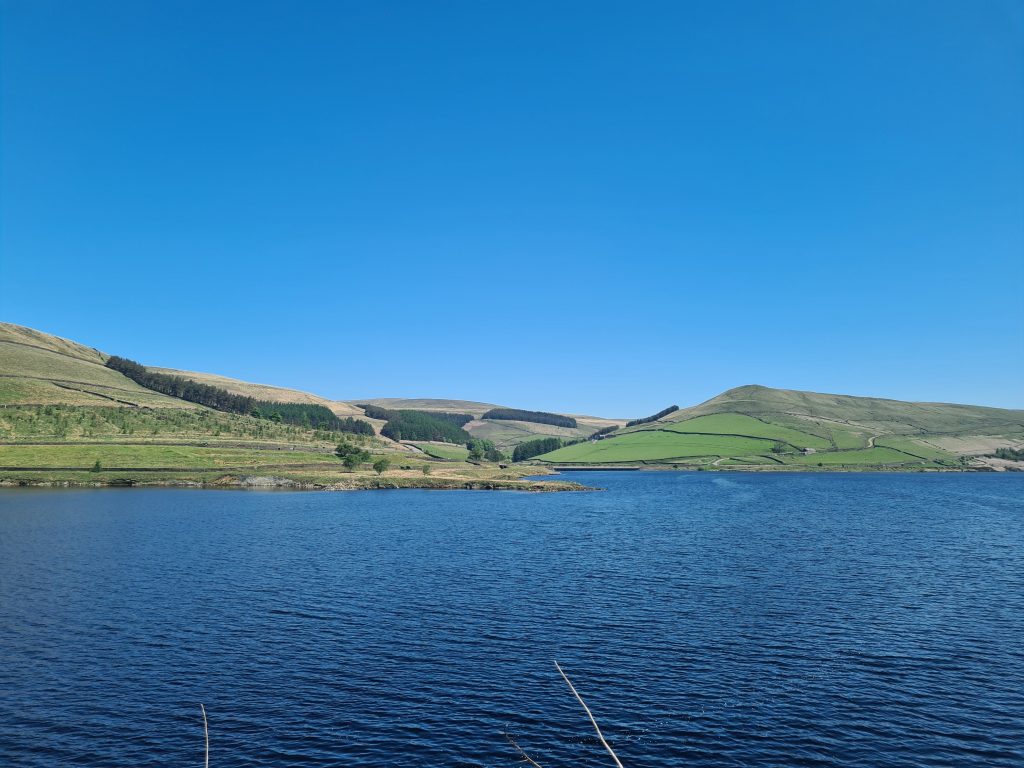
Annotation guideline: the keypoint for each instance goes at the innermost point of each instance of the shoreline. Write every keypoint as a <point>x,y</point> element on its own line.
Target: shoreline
<point>271,482</point>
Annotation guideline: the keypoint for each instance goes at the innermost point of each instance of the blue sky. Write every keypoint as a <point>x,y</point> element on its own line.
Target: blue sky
<point>591,207</point>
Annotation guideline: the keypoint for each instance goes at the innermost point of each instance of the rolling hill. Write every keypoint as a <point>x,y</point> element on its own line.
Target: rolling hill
<point>66,418</point>
<point>759,427</point>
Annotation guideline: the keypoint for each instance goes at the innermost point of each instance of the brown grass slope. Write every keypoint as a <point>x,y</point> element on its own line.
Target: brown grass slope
<point>40,369</point>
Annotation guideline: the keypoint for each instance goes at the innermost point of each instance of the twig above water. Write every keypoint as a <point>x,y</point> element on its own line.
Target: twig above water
<point>521,751</point>
<point>206,733</point>
<point>589,714</point>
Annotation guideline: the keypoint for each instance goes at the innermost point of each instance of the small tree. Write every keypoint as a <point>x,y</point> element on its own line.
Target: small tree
<point>351,455</point>
<point>380,466</point>
<point>97,466</point>
<point>426,469</point>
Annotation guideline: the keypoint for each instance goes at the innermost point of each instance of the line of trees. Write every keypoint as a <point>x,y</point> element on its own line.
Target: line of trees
<point>532,448</point>
<point>386,414</point>
<point>604,431</point>
<point>1010,454</point>
<point>375,411</point>
<point>537,417</point>
<point>659,415</point>
<point>420,425</point>
<point>307,415</point>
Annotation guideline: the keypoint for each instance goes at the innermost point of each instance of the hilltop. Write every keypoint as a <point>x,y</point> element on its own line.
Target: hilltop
<point>757,427</point>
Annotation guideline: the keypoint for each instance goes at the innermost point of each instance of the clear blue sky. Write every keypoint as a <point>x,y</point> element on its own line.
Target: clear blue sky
<point>590,207</point>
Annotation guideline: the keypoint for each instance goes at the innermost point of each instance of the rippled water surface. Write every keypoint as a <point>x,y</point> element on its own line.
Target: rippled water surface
<point>709,620</point>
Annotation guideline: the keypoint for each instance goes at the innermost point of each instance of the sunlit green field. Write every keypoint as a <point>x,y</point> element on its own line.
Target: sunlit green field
<point>151,456</point>
<point>867,456</point>
<point>444,451</point>
<point>739,424</point>
<point>657,446</point>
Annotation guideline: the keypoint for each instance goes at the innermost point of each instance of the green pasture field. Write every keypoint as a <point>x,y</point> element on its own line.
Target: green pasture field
<point>152,456</point>
<point>655,446</point>
<point>739,424</point>
<point>857,458</point>
<point>444,451</point>
<point>123,424</point>
<point>915,447</point>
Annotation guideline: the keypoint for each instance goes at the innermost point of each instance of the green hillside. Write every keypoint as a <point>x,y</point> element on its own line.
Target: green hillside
<point>759,427</point>
<point>67,418</point>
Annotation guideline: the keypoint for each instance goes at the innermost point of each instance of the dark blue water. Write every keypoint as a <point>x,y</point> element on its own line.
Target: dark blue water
<point>709,620</point>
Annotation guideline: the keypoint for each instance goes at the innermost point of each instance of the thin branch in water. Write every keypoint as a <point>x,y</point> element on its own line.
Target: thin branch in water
<point>589,714</point>
<point>206,733</point>
<point>521,751</point>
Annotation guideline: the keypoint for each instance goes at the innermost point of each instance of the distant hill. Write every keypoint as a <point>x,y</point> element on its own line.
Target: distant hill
<point>504,434</point>
<point>755,426</point>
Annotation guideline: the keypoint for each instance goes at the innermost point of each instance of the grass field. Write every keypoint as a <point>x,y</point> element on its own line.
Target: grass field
<point>164,456</point>
<point>122,424</point>
<point>656,446</point>
<point>444,451</point>
<point>740,424</point>
<point>915,448</point>
<point>864,457</point>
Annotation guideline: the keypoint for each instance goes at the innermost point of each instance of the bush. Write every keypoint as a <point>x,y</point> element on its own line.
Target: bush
<point>351,455</point>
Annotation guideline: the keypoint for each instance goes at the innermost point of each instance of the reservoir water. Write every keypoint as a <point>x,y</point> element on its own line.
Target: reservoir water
<point>707,619</point>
